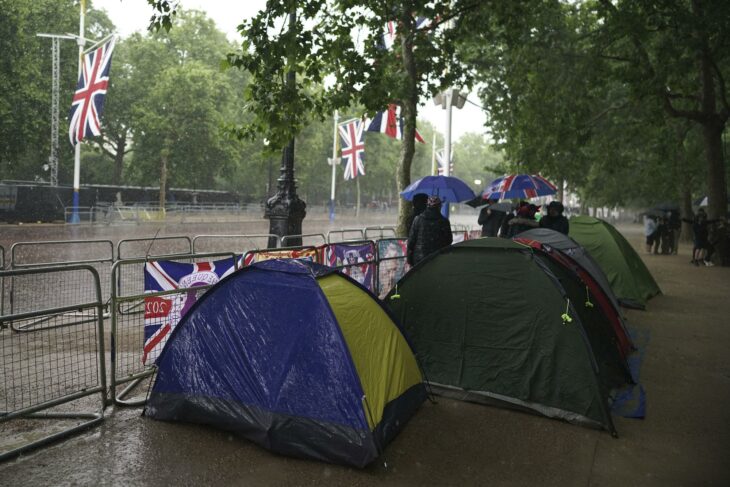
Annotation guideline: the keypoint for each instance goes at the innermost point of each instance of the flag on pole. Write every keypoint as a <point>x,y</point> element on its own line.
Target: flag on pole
<point>353,148</point>
<point>390,123</point>
<point>387,39</point>
<point>88,101</point>
<point>441,163</point>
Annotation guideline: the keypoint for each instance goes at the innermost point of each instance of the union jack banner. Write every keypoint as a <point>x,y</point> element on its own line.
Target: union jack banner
<point>88,101</point>
<point>440,163</point>
<point>390,123</point>
<point>353,148</point>
<point>162,313</point>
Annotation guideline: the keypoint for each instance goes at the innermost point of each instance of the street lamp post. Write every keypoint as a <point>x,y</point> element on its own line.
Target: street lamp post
<point>447,100</point>
<point>285,210</point>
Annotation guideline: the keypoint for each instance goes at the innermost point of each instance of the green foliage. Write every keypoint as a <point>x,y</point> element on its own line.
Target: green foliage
<point>25,83</point>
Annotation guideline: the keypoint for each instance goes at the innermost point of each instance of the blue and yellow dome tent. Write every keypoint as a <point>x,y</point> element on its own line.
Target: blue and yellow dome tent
<point>295,357</point>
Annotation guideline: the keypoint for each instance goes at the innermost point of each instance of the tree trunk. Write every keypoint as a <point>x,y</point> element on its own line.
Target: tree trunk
<point>119,161</point>
<point>716,182</point>
<point>409,113</point>
<point>163,178</point>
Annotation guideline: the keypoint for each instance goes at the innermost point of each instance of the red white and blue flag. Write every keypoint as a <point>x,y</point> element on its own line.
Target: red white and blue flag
<point>388,38</point>
<point>390,123</point>
<point>88,101</point>
<point>441,164</point>
<point>162,313</point>
<point>353,148</point>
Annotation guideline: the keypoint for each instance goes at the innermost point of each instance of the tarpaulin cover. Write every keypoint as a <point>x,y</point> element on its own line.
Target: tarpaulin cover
<point>262,354</point>
<point>486,318</point>
<point>629,278</point>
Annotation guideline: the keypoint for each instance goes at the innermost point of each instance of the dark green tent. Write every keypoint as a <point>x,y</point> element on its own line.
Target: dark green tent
<point>630,280</point>
<point>491,322</point>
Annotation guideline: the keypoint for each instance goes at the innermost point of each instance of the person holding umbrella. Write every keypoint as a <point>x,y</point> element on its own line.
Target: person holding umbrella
<point>430,232</point>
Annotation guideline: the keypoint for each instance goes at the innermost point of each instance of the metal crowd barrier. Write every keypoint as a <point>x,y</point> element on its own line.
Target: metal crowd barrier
<point>392,264</point>
<point>128,319</point>
<point>376,233</point>
<point>345,235</point>
<point>54,364</point>
<point>2,281</point>
<point>231,243</point>
<point>59,289</point>
<point>308,239</point>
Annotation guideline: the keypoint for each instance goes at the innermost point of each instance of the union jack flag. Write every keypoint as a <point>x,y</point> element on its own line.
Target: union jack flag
<point>88,101</point>
<point>162,313</point>
<point>390,123</point>
<point>440,163</point>
<point>353,148</point>
<point>388,38</point>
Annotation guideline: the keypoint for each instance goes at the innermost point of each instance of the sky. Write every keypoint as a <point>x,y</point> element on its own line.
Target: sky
<point>133,15</point>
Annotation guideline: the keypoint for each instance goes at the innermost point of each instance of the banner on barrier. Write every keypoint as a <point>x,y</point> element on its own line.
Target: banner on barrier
<point>356,261</point>
<point>162,313</point>
<point>303,254</point>
<point>392,263</point>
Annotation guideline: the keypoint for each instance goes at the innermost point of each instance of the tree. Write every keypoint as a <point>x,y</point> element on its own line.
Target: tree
<point>25,83</point>
<point>323,44</point>
<point>678,52</point>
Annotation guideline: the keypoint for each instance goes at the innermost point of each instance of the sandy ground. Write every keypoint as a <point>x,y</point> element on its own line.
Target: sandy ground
<point>685,439</point>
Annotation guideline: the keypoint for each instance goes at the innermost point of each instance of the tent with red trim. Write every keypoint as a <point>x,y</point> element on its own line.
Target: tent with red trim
<point>572,256</point>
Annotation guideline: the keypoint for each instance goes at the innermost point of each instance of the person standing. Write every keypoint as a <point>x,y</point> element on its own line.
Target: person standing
<point>675,225</point>
<point>419,206</point>
<point>490,220</point>
<point>555,220</point>
<point>649,232</point>
<point>525,220</point>
<point>430,232</point>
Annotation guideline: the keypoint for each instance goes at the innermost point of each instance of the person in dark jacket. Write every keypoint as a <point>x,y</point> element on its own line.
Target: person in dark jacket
<point>523,221</point>
<point>430,232</point>
<point>490,220</point>
<point>555,220</point>
<point>419,206</point>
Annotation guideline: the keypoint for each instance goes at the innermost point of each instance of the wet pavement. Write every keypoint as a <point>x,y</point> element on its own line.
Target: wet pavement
<point>685,439</point>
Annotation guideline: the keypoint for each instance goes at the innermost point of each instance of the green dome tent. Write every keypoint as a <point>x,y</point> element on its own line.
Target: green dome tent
<point>490,322</point>
<point>630,280</point>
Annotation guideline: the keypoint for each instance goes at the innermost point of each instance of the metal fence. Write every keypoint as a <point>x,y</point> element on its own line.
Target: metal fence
<point>308,239</point>
<point>128,305</point>
<point>2,281</point>
<point>375,233</point>
<point>60,288</point>
<point>239,244</point>
<point>345,235</point>
<point>59,360</point>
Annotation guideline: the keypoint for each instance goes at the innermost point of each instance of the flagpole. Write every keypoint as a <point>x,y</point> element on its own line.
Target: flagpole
<point>434,169</point>
<point>77,148</point>
<point>334,169</point>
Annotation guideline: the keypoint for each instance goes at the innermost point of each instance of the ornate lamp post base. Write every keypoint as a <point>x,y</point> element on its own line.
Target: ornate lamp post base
<point>285,210</point>
<point>285,213</point>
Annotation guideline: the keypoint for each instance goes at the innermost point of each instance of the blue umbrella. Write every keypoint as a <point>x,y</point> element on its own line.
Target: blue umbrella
<point>448,188</point>
<point>518,186</point>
